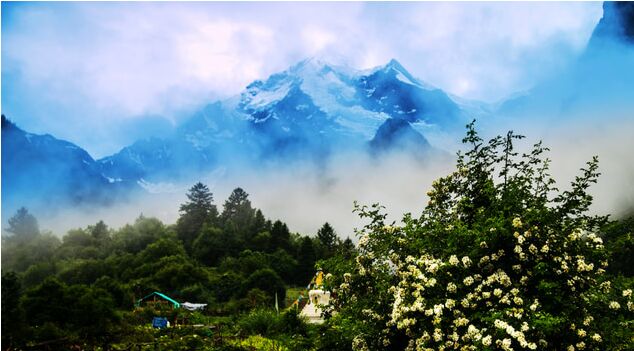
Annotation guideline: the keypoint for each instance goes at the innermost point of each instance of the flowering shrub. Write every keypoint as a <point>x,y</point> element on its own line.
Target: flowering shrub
<point>500,259</point>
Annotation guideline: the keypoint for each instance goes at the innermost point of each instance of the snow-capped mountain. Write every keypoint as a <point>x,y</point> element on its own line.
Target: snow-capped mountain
<point>306,112</point>
<point>41,169</point>
<point>350,102</point>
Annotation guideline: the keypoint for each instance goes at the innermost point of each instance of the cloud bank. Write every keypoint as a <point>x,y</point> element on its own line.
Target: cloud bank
<point>72,67</point>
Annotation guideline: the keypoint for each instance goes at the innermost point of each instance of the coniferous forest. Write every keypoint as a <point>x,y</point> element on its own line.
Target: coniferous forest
<point>501,257</point>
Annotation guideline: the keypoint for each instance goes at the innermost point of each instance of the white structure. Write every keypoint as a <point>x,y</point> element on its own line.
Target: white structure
<point>312,311</point>
<point>317,299</point>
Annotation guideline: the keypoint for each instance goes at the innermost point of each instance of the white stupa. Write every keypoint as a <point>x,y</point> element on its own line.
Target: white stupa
<point>318,298</point>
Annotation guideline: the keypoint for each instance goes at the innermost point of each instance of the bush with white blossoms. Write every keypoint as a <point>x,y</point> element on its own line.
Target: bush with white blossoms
<point>500,259</point>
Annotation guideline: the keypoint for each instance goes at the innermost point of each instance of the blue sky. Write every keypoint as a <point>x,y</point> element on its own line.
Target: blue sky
<point>103,74</point>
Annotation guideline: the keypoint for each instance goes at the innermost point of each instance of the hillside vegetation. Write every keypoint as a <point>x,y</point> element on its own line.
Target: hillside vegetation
<point>499,259</point>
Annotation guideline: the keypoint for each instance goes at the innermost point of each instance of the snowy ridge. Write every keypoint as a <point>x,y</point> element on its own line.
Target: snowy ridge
<point>308,111</point>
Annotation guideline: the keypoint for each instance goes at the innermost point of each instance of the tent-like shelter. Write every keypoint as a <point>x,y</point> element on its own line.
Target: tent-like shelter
<point>156,295</point>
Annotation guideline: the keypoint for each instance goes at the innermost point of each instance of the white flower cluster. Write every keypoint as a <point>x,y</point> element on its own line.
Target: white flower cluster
<point>437,302</point>
<point>440,302</point>
<point>417,304</point>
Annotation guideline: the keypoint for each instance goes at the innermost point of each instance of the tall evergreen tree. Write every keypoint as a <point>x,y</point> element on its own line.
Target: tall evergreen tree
<point>100,231</point>
<point>280,236</point>
<point>238,215</point>
<point>306,259</point>
<point>328,239</point>
<point>195,213</point>
<point>259,223</point>
<point>346,248</point>
<point>23,226</point>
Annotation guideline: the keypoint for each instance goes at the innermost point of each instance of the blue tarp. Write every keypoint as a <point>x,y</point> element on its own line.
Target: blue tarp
<point>159,322</point>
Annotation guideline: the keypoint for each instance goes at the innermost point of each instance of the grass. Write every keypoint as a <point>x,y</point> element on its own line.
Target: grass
<point>293,293</point>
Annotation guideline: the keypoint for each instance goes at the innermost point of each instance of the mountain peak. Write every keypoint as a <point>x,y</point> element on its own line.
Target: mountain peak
<point>6,123</point>
<point>617,23</point>
<point>313,63</point>
<point>395,68</point>
<point>398,134</point>
<point>394,64</point>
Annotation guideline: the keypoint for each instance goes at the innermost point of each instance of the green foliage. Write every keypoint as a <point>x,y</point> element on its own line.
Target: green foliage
<point>262,241</point>
<point>306,259</point>
<point>346,249</point>
<point>328,239</point>
<point>261,343</point>
<point>82,312</point>
<point>619,243</point>
<point>280,236</point>
<point>256,298</point>
<point>97,270</point>
<point>13,326</point>
<point>226,286</point>
<point>23,226</point>
<point>83,271</point>
<point>285,265</point>
<point>159,249</point>
<point>79,244</point>
<point>259,223</point>
<point>174,273</point>
<point>246,263</point>
<point>237,215</point>
<point>268,322</point>
<point>336,334</point>
<point>46,303</point>
<point>268,281</point>
<point>100,231</point>
<point>213,244</point>
<point>19,256</point>
<point>499,259</point>
<point>292,323</point>
<point>195,213</point>
<point>260,321</point>
<point>134,238</point>
<point>37,273</point>
<point>121,294</point>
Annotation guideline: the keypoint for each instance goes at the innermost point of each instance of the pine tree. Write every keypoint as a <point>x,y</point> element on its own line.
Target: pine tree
<point>306,259</point>
<point>100,231</point>
<point>346,248</point>
<point>328,239</point>
<point>259,223</point>
<point>23,226</point>
<point>280,236</point>
<point>237,214</point>
<point>195,213</point>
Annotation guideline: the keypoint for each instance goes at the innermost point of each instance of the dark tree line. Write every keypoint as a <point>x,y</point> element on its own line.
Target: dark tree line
<point>74,288</point>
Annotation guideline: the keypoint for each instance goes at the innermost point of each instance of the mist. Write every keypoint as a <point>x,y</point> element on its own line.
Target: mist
<point>301,194</point>
<point>305,196</point>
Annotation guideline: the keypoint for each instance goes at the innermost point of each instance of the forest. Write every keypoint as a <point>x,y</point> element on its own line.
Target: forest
<point>500,258</point>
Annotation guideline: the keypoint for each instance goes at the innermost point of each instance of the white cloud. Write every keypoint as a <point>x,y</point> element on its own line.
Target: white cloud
<point>88,62</point>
